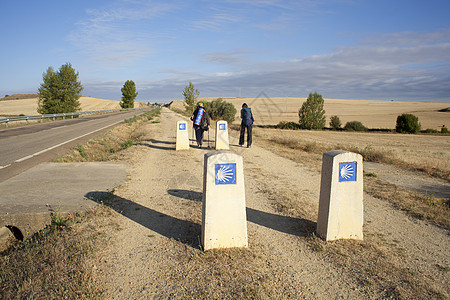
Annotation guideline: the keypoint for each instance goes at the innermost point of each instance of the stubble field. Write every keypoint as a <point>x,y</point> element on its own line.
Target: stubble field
<point>373,114</point>
<point>29,106</point>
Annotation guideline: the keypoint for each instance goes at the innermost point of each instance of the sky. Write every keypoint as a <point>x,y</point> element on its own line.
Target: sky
<point>345,49</point>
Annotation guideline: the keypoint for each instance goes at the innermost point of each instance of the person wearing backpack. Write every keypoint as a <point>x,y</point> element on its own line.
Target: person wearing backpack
<point>246,123</point>
<point>201,123</point>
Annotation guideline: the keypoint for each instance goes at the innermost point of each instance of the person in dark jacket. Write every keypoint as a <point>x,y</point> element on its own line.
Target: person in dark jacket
<point>201,123</point>
<point>246,123</point>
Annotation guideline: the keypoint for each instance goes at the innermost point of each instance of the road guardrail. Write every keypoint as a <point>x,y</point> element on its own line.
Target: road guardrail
<point>63,115</point>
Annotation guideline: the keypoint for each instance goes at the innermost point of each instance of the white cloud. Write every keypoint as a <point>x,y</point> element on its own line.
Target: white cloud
<point>232,57</point>
<point>361,71</point>
<point>216,21</point>
<point>114,35</point>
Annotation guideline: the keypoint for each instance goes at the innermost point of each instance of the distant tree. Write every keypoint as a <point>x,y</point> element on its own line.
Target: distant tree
<point>60,91</point>
<point>219,109</point>
<point>407,123</point>
<point>311,114</point>
<point>335,123</point>
<point>128,94</point>
<point>190,97</point>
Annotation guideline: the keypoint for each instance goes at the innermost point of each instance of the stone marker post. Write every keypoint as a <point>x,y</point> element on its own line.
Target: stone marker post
<point>222,142</point>
<point>224,220</point>
<point>182,136</point>
<point>341,196</point>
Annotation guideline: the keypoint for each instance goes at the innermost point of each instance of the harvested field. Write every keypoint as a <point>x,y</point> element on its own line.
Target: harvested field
<point>28,107</point>
<point>373,114</point>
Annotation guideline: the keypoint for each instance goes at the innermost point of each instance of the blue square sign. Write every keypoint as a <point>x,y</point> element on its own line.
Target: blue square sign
<point>182,126</point>
<point>225,174</point>
<point>221,126</point>
<point>347,171</point>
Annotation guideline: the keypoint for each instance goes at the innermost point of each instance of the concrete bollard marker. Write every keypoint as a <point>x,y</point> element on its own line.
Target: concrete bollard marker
<point>341,196</point>
<point>222,141</point>
<point>224,220</point>
<point>182,136</point>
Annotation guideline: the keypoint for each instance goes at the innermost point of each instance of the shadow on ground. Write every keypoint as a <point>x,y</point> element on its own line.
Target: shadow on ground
<point>184,231</point>
<point>186,194</point>
<point>289,225</point>
<point>189,232</point>
<point>157,144</point>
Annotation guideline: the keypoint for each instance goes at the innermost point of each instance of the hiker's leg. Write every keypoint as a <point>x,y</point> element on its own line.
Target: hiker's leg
<point>242,134</point>
<point>249,136</point>
<point>198,134</point>
<point>201,131</point>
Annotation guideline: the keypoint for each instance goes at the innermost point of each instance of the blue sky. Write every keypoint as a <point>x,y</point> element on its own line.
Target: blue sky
<point>354,49</point>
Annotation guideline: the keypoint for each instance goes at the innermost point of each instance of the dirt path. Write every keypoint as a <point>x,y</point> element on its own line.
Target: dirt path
<point>156,252</point>
<point>433,187</point>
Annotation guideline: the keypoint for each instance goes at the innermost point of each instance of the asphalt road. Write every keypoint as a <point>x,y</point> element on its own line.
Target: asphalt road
<point>24,147</point>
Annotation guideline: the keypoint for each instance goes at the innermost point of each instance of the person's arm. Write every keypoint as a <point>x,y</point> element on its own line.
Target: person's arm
<point>194,114</point>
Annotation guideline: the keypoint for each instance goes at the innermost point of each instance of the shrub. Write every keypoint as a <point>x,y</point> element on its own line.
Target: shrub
<point>355,126</point>
<point>219,109</point>
<point>407,123</point>
<point>429,130</point>
<point>126,144</point>
<point>311,114</point>
<point>444,129</point>
<point>288,125</point>
<point>335,123</point>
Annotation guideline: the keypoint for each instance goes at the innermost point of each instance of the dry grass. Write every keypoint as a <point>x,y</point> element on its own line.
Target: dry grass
<point>426,153</point>
<point>307,147</point>
<point>380,265</point>
<point>108,145</point>
<point>429,208</point>
<point>55,263</point>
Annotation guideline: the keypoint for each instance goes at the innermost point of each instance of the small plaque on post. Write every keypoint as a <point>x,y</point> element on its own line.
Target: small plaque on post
<point>347,171</point>
<point>225,174</point>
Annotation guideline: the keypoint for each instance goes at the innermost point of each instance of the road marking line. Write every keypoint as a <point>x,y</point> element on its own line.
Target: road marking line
<point>24,158</point>
<point>2,167</point>
<point>61,144</point>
